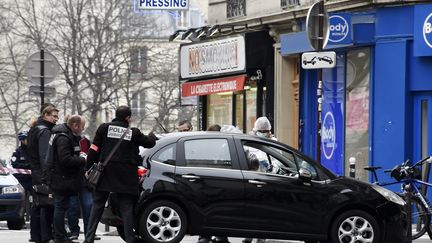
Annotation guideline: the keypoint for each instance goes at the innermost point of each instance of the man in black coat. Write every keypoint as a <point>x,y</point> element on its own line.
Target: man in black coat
<point>38,138</point>
<point>120,174</point>
<point>65,170</point>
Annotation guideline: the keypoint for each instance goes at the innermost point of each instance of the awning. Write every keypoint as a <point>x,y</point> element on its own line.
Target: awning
<point>213,86</point>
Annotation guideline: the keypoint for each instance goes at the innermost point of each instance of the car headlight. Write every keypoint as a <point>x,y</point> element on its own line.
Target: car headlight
<point>389,195</point>
<point>13,189</point>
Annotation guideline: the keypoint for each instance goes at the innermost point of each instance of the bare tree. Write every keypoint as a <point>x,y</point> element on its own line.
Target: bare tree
<point>15,106</point>
<point>96,44</point>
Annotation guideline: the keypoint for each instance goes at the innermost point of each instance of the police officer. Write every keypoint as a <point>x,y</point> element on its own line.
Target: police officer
<point>38,139</point>
<point>19,161</point>
<point>120,174</point>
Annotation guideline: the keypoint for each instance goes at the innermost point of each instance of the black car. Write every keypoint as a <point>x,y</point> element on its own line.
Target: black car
<point>210,183</point>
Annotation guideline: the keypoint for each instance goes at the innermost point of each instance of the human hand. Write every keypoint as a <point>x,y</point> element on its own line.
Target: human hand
<point>83,155</point>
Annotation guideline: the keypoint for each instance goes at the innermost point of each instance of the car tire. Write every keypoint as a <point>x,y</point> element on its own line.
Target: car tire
<point>350,222</point>
<point>163,221</point>
<point>16,224</point>
<point>120,231</point>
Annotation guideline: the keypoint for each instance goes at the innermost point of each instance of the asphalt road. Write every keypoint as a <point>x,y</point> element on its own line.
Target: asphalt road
<point>110,236</point>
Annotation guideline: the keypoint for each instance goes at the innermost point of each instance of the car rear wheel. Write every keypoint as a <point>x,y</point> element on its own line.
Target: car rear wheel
<point>15,224</point>
<point>355,226</point>
<point>163,221</point>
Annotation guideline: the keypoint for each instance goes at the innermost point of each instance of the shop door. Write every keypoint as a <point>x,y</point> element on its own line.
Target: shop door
<point>422,127</point>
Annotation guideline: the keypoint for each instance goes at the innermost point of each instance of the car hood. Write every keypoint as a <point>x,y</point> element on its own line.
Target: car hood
<point>8,180</point>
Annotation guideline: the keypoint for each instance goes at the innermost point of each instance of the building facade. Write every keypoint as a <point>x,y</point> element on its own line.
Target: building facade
<point>376,100</point>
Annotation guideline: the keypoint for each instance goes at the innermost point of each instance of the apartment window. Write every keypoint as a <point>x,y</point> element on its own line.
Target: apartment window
<point>236,8</point>
<point>289,3</point>
<point>138,60</point>
<point>182,20</point>
<point>138,104</point>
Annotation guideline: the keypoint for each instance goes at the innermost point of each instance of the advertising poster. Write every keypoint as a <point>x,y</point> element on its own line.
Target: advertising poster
<point>332,119</point>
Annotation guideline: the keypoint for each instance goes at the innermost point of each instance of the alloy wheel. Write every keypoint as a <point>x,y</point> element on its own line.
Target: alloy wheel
<point>163,223</point>
<point>355,229</point>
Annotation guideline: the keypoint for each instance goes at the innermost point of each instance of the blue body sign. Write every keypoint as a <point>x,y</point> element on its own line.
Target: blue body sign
<point>423,30</point>
<point>340,29</point>
<point>162,4</point>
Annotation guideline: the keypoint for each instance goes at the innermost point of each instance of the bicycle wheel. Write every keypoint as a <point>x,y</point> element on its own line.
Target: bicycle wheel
<point>420,217</point>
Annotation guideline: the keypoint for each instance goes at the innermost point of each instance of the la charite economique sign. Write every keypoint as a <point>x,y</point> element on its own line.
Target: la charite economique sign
<point>162,4</point>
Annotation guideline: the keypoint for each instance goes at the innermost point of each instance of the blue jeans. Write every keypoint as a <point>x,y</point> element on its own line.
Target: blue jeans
<point>61,205</point>
<point>85,200</point>
<point>73,214</point>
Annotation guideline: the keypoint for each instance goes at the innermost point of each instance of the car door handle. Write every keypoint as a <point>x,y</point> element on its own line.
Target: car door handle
<point>191,177</point>
<point>256,182</point>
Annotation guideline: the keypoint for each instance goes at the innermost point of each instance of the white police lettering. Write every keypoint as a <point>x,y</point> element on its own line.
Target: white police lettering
<point>117,132</point>
<point>77,148</point>
<point>328,135</point>
<point>338,28</point>
<point>427,29</point>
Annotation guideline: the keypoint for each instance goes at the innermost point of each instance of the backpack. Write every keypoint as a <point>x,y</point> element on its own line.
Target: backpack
<point>50,158</point>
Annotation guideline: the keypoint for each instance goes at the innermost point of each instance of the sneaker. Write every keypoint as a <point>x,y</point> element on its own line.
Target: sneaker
<point>97,238</point>
<point>73,237</point>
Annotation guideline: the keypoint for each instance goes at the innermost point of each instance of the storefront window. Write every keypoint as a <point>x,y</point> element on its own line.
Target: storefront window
<point>357,110</point>
<point>219,109</point>
<point>251,103</point>
<point>239,111</point>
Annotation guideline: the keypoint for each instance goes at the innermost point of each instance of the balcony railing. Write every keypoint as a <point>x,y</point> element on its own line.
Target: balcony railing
<point>289,3</point>
<point>236,8</point>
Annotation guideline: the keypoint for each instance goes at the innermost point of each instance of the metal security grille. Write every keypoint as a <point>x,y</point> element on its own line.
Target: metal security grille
<point>289,3</point>
<point>236,8</point>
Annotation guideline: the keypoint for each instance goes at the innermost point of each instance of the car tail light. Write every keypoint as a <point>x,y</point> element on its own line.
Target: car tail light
<point>142,171</point>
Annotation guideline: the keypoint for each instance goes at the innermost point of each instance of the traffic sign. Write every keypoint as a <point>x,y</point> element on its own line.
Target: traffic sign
<point>316,60</point>
<point>313,27</point>
<point>33,67</point>
<point>49,92</point>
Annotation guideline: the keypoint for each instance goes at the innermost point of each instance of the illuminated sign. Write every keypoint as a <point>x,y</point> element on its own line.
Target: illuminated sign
<point>214,86</point>
<point>215,57</point>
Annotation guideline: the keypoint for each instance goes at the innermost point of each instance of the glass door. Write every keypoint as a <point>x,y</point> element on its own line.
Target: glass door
<point>422,128</point>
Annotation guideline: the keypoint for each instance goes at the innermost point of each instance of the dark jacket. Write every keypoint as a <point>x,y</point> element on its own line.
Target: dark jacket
<point>120,174</point>
<point>38,138</point>
<point>19,161</point>
<point>67,171</point>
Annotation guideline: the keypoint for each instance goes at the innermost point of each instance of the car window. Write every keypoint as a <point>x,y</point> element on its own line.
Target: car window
<point>269,159</point>
<point>165,155</point>
<point>208,153</point>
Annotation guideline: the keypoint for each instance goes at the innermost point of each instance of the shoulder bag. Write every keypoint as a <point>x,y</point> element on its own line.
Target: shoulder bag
<point>94,173</point>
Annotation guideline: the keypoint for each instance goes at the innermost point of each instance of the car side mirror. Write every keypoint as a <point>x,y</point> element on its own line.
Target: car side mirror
<point>305,174</point>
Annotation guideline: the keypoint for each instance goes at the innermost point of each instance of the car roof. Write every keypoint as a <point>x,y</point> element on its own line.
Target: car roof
<point>175,136</point>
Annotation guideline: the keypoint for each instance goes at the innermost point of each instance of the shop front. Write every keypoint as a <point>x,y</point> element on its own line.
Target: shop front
<point>377,100</point>
<point>346,91</point>
<point>231,79</point>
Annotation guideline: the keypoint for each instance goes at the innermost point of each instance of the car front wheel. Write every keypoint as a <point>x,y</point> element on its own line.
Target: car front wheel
<point>355,226</point>
<point>163,221</point>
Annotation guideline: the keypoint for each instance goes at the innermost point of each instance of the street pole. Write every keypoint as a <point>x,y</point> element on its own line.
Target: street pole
<point>319,77</point>
<point>42,77</point>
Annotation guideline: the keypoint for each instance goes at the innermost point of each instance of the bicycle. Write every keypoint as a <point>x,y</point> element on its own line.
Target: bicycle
<point>407,175</point>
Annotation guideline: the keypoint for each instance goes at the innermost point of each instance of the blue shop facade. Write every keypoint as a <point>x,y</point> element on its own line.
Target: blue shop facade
<point>377,101</point>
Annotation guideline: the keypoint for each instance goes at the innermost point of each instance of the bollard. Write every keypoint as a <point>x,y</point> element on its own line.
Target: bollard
<point>352,161</point>
<point>408,211</point>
